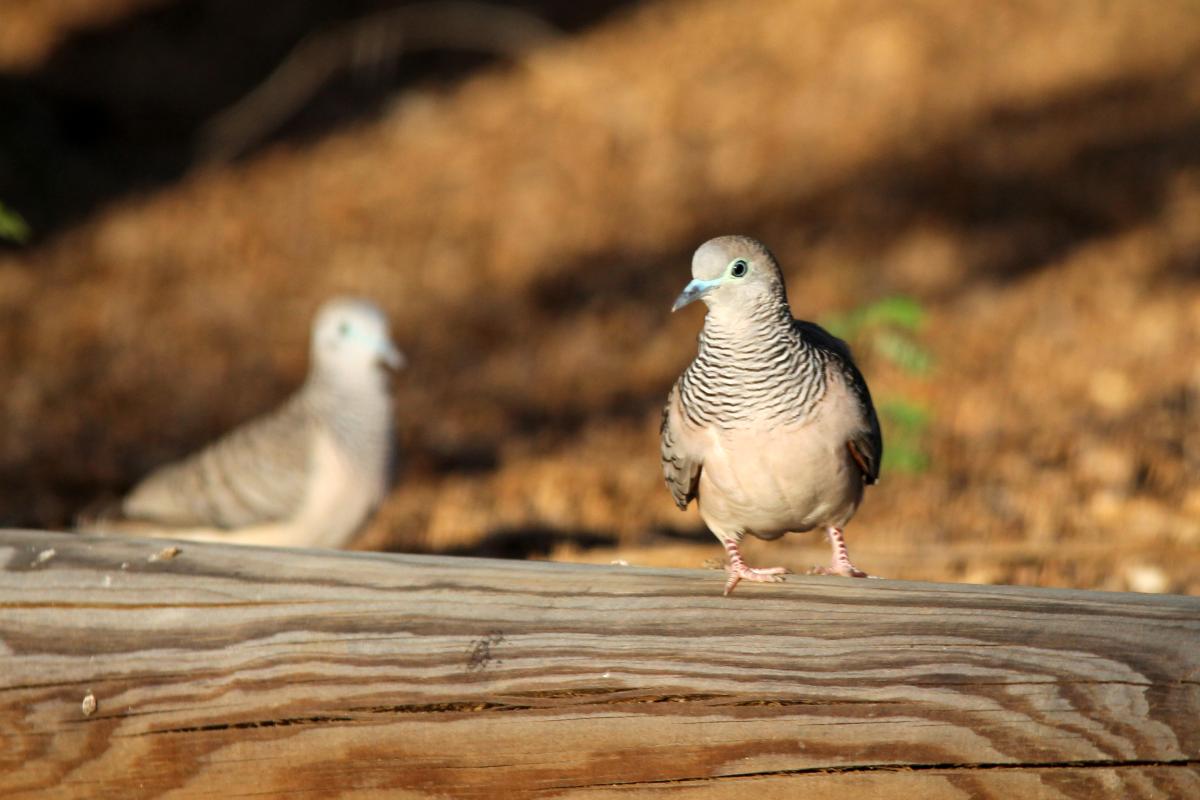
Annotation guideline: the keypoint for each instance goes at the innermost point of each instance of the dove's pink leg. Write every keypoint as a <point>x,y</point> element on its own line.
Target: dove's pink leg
<point>737,569</point>
<point>841,558</point>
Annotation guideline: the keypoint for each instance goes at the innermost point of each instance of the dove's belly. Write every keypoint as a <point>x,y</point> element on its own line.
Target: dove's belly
<point>340,496</point>
<point>769,484</point>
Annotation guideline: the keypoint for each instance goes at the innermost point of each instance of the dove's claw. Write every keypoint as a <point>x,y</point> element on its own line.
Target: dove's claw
<point>738,570</point>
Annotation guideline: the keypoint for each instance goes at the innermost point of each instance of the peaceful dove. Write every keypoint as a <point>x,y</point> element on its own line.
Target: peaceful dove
<point>771,428</point>
<point>306,474</point>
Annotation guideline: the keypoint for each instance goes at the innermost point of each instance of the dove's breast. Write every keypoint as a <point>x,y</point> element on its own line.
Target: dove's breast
<point>788,477</point>
<point>340,495</point>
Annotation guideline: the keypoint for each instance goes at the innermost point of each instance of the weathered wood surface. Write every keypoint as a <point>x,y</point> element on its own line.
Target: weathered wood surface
<point>237,671</point>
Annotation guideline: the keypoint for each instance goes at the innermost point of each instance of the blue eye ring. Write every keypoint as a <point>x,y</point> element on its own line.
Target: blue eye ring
<point>739,268</point>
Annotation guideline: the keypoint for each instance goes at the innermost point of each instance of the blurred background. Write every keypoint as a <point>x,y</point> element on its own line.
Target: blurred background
<point>997,204</point>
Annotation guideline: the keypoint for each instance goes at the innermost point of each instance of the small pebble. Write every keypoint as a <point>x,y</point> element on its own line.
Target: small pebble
<point>89,704</point>
<point>1147,579</point>
<point>45,556</point>
<point>166,554</point>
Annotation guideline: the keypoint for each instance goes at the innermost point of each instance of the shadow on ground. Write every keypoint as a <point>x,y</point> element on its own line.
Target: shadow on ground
<point>123,108</point>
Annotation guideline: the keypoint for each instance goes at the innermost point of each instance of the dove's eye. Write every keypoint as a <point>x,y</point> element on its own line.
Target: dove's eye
<point>739,268</point>
<point>344,329</point>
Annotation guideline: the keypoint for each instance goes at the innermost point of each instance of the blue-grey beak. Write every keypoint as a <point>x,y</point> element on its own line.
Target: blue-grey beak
<point>694,291</point>
<point>392,358</point>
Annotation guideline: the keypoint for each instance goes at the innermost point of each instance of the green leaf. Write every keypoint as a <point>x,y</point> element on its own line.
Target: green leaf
<point>843,326</point>
<point>903,352</point>
<point>904,425</point>
<point>12,226</point>
<point>898,310</point>
<point>906,414</point>
<point>890,312</point>
<point>904,458</point>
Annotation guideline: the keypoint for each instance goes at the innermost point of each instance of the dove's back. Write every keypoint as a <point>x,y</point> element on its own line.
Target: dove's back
<point>255,474</point>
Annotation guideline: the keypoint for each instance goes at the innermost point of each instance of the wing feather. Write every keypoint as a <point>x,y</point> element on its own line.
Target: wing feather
<point>681,463</point>
<point>866,445</point>
<point>255,474</point>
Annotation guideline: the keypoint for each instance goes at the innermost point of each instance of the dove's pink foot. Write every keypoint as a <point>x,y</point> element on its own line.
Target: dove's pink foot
<point>738,570</point>
<point>840,565</point>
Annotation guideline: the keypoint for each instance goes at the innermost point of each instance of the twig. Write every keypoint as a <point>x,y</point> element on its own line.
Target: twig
<point>369,41</point>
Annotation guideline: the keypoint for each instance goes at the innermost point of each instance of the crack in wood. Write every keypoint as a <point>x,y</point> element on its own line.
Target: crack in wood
<point>266,723</point>
<point>551,694</point>
<point>664,698</point>
<point>441,708</point>
<point>604,698</point>
<point>780,702</point>
<point>481,707</point>
<point>946,767</point>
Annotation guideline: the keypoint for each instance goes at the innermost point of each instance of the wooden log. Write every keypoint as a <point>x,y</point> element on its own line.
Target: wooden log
<point>130,671</point>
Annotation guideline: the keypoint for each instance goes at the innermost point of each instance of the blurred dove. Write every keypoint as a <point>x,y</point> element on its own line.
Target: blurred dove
<point>771,428</point>
<point>307,474</point>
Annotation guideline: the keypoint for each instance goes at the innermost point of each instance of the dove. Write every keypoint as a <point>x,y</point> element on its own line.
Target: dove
<point>771,428</point>
<point>307,474</point>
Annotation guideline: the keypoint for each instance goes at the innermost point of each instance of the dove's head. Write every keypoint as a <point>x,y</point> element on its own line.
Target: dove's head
<point>350,341</point>
<point>733,272</point>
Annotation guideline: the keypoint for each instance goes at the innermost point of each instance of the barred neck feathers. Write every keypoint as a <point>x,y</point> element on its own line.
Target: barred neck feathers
<point>753,366</point>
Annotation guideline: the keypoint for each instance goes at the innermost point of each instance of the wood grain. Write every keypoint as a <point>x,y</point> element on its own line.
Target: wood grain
<point>237,671</point>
